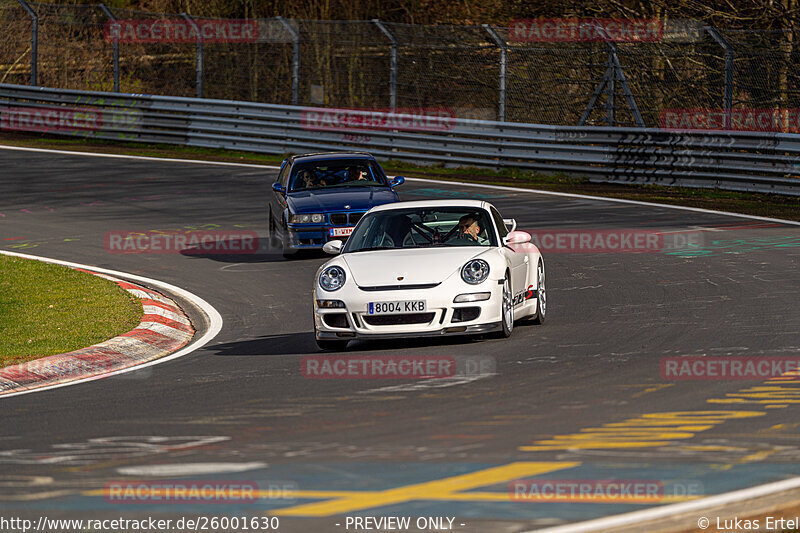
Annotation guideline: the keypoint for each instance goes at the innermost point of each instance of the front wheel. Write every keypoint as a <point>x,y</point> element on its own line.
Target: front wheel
<point>507,309</point>
<point>541,295</point>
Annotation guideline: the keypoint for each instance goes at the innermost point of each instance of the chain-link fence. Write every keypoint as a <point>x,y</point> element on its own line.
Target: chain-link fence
<point>480,72</point>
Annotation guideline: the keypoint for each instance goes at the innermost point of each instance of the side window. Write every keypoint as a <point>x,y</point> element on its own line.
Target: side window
<point>498,220</point>
<point>284,174</point>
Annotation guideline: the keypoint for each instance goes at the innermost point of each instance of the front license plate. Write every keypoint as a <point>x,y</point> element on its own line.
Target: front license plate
<point>341,232</point>
<point>395,308</point>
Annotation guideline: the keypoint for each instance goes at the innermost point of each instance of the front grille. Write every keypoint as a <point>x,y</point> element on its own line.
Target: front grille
<point>394,320</point>
<point>342,219</point>
<point>339,219</point>
<point>375,288</point>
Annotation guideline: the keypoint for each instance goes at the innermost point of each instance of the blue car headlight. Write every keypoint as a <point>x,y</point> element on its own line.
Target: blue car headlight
<point>306,218</point>
<point>475,271</point>
<point>332,278</point>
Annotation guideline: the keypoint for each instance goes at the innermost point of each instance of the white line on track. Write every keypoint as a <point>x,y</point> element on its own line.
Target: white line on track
<point>646,515</point>
<point>140,157</point>
<point>214,318</point>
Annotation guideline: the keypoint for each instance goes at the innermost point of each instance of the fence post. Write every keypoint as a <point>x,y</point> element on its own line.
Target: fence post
<point>501,43</point>
<point>727,97</point>
<point>199,66</point>
<point>113,19</point>
<point>295,59</point>
<point>392,63</point>
<point>34,41</point>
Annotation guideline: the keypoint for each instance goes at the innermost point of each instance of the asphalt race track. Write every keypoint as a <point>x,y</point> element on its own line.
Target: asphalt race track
<point>333,448</point>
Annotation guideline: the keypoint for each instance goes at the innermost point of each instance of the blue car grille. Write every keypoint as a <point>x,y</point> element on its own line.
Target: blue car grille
<point>340,219</point>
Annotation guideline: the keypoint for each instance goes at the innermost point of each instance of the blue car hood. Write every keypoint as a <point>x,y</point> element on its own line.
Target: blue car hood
<point>334,199</point>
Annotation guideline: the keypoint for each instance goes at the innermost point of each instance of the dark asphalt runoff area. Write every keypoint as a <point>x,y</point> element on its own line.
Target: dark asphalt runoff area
<point>581,397</point>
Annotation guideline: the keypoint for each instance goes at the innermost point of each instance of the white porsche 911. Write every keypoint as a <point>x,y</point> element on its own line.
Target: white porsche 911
<point>440,267</point>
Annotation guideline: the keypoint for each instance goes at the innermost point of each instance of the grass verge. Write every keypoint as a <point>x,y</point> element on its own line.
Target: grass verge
<point>50,309</point>
<point>766,205</point>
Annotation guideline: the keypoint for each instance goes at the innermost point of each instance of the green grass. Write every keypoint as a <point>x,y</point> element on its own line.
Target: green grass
<point>767,205</point>
<point>49,309</point>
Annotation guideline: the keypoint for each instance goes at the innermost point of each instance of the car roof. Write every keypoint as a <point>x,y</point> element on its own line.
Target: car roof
<point>330,155</point>
<point>472,204</point>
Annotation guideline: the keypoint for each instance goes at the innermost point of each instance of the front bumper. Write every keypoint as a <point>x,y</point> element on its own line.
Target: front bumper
<point>305,237</point>
<point>353,322</point>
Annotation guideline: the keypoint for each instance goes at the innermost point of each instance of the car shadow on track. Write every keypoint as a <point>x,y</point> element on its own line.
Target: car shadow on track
<point>303,344</point>
<point>260,252</point>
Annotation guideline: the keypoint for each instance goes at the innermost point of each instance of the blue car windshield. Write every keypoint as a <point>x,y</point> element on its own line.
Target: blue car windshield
<point>336,173</point>
<point>422,228</point>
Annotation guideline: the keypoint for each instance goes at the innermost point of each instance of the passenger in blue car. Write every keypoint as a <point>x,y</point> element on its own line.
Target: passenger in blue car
<point>307,180</point>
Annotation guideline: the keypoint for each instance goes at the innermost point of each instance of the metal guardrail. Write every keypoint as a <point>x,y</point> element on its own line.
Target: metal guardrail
<point>734,160</point>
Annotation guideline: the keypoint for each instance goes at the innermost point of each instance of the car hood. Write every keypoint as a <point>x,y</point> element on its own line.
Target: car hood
<point>334,199</point>
<point>415,266</point>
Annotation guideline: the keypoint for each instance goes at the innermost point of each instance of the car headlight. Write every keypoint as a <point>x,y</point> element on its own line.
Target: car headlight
<point>305,218</point>
<point>475,271</point>
<point>332,278</point>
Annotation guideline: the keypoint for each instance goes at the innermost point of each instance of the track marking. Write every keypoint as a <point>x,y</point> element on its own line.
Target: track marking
<point>440,489</point>
<point>139,157</point>
<point>213,316</point>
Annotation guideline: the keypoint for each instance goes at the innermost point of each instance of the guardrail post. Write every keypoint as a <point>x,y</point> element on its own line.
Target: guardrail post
<point>611,90</point>
<point>199,65</point>
<point>392,63</point>
<point>34,41</point>
<point>295,59</point>
<point>113,19</point>
<point>501,43</point>
<point>727,97</point>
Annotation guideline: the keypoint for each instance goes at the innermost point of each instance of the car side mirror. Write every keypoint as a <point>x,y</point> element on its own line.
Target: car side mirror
<point>398,180</point>
<point>510,223</point>
<point>517,237</point>
<point>332,247</point>
<point>277,187</point>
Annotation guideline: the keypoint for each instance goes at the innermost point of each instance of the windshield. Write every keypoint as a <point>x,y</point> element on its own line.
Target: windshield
<point>337,173</point>
<point>422,228</point>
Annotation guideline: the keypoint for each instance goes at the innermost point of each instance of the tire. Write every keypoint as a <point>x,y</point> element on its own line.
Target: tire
<point>541,295</point>
<point>273,237</point>
<point>287,252</point>
<point>507,310</point>
<point>332,345</point>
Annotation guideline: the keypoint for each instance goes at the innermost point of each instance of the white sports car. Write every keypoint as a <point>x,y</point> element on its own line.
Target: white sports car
<point>441,267</point>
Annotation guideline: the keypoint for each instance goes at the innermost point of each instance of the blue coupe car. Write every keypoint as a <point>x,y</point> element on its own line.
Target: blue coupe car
<point>321,197</point>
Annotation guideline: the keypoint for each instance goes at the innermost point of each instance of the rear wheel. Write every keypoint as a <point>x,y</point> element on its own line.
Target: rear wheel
<point>541,294</point>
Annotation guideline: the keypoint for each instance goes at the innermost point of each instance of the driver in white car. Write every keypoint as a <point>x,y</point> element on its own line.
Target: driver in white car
<point>469,228</point>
